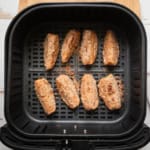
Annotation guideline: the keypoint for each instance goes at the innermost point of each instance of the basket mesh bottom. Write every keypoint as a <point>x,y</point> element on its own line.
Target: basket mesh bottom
<point>34,69</point>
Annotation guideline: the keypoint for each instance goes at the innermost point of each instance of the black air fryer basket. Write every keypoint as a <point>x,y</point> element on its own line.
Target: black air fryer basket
<point>27,125</point>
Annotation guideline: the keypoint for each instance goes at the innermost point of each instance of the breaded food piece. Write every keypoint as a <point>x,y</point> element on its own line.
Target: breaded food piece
<point>76,83</point>
<point>89,93</point>
<point>110,93</point>
<point>89,47</point>
<point>120,85</point>
<point>51,50</point>
<point>67,91</point>
<point>110,49</point>
<point>45,95</point>
<point>69,45</point>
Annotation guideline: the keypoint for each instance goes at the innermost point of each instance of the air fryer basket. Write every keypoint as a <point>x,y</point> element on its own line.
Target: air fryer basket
<point>132,142</point>
<point>24,64</point>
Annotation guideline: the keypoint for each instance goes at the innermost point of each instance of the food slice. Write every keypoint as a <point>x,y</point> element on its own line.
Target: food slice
<point>45,95</point>
<point>89,47</point>
<point>69,45</point>
<point>110,49</point>
<point>110,92</point>
<point>89,93</point>
<point>67,91</point>
<point>51,50</point>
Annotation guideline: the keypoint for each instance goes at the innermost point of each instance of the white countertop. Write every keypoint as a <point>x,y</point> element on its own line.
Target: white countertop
<point>10,6</point>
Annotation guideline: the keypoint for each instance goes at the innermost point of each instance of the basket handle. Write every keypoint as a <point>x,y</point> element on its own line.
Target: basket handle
<point>141,140</point>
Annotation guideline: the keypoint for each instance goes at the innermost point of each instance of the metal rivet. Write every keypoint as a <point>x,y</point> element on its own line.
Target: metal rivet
<point>66,141</point>
<point>64,131</point>
<point>75,127</point>
<point>85,131</point>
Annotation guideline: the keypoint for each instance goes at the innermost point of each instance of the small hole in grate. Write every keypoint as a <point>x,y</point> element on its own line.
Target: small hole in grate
<point>34,112</point>
<point>102,113</point>
<point>109,117</point>
<point>102,117</point>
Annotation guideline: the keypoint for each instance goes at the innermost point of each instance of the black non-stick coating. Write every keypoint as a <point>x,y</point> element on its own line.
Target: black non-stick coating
<point>25,64</point>
<point>34,69</point>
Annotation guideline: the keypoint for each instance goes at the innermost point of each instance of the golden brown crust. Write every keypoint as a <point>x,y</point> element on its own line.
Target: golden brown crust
<point>110,49</point>
<point>69,45</point>
<point>76,83</point>
<point>89,93</point>
<point>51,50</point>
<point>110,93</point>
<point>120,85</point>
<point>89,47</point>
<point>45,95</point>
<point>67,91</point>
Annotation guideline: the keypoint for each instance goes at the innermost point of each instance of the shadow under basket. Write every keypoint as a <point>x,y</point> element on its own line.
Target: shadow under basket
<point>24,64</point>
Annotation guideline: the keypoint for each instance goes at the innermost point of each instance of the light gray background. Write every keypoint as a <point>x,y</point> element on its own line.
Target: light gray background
<point>8,9</point>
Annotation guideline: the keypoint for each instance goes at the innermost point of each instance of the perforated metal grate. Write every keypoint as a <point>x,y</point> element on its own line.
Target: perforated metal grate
<point>34,68</point>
